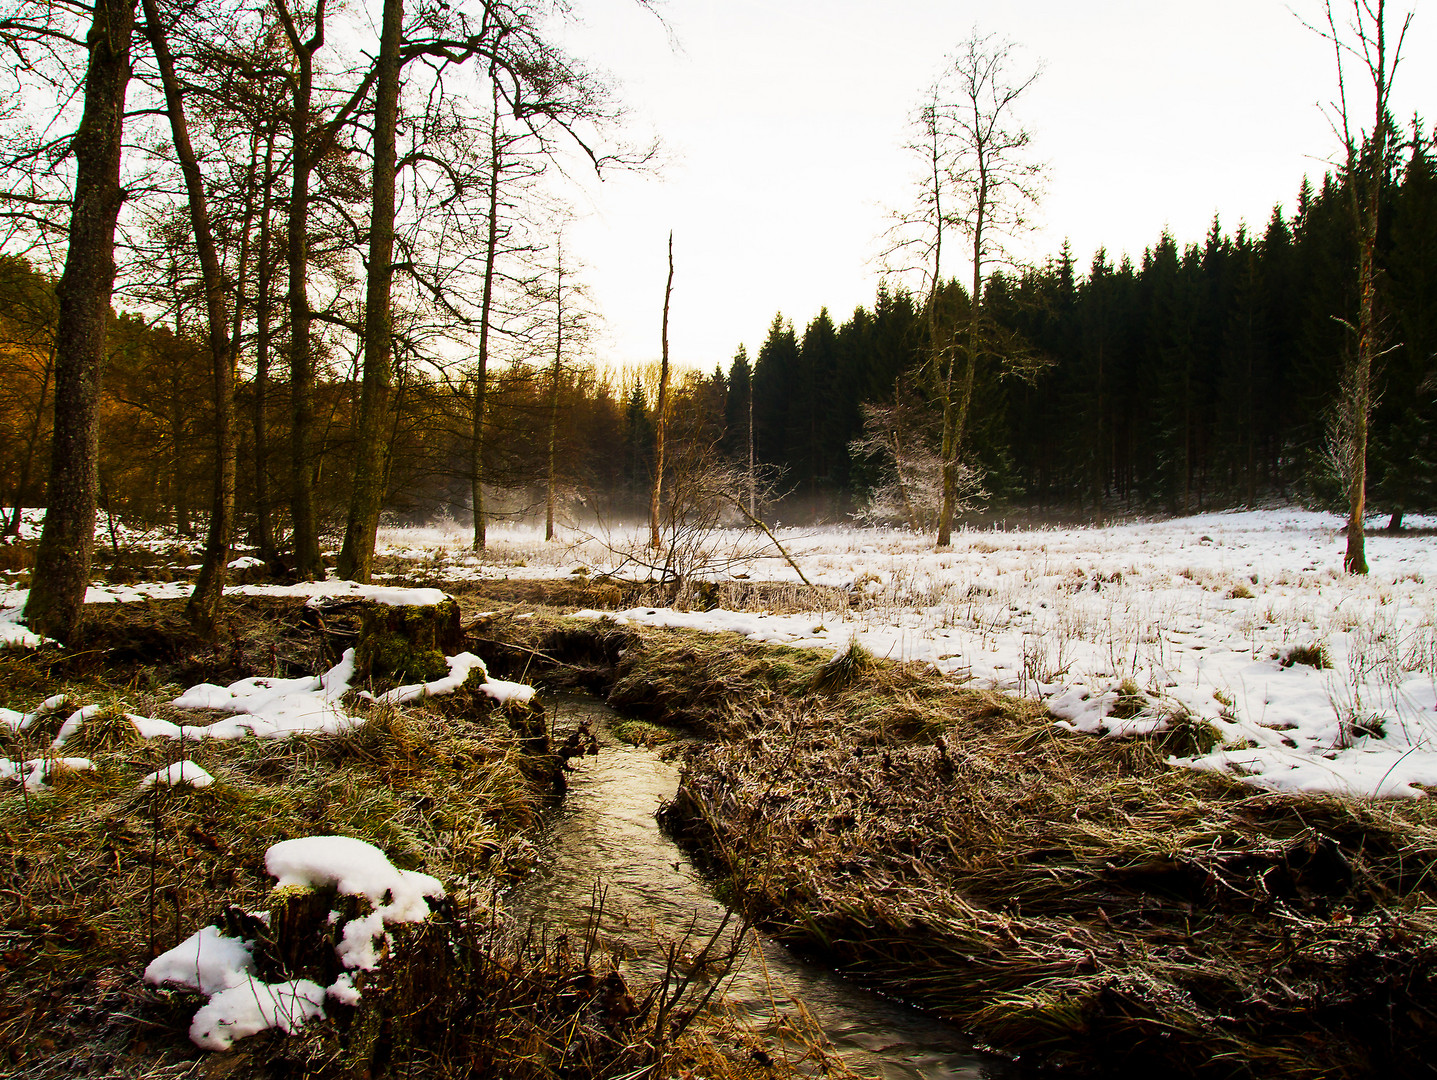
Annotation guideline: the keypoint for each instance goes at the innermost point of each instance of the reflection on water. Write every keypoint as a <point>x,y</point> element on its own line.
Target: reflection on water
<point>605,831</point>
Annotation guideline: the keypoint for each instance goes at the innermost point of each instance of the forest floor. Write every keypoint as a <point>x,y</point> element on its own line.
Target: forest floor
<point>1057,878</point>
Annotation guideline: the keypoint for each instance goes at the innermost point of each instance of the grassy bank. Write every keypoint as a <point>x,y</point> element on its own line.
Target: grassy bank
<point>99,875</point>
<point>1071,900</point>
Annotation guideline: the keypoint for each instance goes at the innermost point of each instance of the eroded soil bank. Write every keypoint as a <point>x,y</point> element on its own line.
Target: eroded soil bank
<point>1073,901</point>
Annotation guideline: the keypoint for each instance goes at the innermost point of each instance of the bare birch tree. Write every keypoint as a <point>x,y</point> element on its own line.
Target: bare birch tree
<point>980,180</point>
<point>1365,45</point>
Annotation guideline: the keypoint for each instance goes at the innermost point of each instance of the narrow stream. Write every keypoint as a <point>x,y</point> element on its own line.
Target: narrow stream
<point>605,831</point>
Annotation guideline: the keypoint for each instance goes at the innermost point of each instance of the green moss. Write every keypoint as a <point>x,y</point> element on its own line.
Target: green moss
<point>642,733</point>
<point>407,644</point>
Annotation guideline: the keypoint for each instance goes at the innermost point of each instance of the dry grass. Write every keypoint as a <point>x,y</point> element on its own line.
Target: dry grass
<point>98,876</point>
<point>1073,899</point>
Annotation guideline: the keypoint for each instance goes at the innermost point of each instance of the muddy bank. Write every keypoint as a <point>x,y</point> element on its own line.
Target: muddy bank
<point>1073,901</point>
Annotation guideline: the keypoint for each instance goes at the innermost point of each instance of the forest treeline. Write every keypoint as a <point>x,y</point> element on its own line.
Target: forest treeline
<point>1201,377</point>
<point>156,444</point>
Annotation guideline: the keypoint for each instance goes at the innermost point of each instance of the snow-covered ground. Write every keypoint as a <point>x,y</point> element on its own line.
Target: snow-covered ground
<point>1212,616</point>
<point>1217,617</point>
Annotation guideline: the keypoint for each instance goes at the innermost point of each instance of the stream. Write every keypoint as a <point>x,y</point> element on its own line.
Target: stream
<point>605,831</point>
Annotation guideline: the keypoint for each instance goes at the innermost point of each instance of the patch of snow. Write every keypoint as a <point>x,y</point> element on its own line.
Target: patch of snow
<point>35,773</point>
<point>74,721</point>
<point>1200,613</point>
<point>253,1006</point>
<point>208,961</point>
<point>460,669</point>
<point>16,721</point>
<point>320,593</point>
<point>343,989</point>
<point>355,868</point>
<point>275,708</point>
<point>181,772</point>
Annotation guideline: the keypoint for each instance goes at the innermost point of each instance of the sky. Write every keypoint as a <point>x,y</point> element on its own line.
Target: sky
<point>783,124</point>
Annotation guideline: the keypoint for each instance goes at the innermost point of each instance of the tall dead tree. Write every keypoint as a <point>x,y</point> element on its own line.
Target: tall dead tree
<point>62,561</point>
<point>661,414</point>
<point>551,486</point>
<point>509,175</point>
<point>486,313</point>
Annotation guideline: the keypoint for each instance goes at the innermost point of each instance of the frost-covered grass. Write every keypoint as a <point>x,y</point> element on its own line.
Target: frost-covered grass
<point>1310,679</point>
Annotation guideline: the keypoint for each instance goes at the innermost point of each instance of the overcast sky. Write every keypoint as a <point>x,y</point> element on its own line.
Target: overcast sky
<point>784,122</point>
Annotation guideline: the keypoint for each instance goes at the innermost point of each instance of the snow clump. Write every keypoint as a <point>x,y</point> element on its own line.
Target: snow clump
<point>222,967</point>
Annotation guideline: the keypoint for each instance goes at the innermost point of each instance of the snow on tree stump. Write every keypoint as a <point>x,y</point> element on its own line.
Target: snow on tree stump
<point>417,963</point>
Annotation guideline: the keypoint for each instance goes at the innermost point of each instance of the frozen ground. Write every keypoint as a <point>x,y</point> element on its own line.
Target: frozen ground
<point>1221,618</point>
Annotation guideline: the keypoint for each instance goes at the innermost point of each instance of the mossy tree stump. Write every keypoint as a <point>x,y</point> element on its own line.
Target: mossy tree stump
<point>407,644</point>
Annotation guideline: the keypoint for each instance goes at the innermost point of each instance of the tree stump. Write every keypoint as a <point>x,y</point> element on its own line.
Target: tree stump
<point>407,644</point>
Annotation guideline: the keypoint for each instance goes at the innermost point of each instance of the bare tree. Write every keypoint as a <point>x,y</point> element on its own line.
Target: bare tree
<point>62,562</point>
<point>204,605</point>
<point>546,92</point>
<point>356,557</point>
<point>311,139</point>
<point>510,174</point>
<point>570,328</point>
<point>979,178</point>
<point>1369,159</point>
<point>661,412</point>
<point>902,439</point>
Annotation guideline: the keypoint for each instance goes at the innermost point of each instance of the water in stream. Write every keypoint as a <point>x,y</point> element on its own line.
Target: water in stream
<point>605,831</point>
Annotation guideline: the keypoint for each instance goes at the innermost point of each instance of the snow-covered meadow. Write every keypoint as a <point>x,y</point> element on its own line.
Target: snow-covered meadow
<point>1311,680</point>
<point>1224,617</point>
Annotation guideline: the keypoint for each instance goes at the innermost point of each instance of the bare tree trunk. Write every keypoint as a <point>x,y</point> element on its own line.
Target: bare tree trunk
<point>307,562</point>
<point>356,558</point>
<point>955,412</point>
<point>62,561</point>
<point>661,419</point>
<point>752,476</point>
<point>264,530</point>
<point>552,491</point>
<point>309,144</point>
<point>1354,560</point>
<point>1366,172</point>
<point>208,596</point>
<point>486,313</point>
